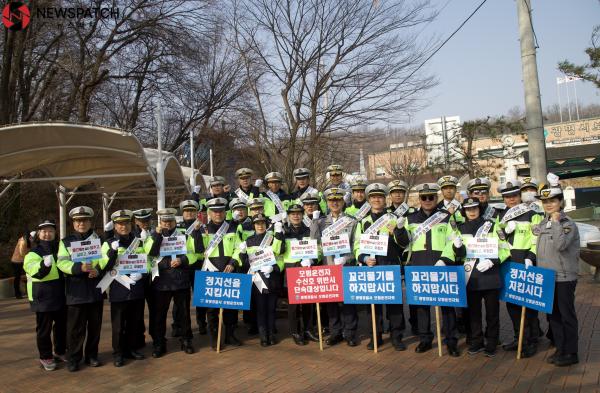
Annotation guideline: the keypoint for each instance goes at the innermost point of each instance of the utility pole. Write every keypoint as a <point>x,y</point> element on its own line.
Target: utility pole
<point>533,106</point>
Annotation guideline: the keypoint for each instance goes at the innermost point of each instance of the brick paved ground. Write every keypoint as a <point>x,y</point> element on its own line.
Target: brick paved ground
<point>286,367</point>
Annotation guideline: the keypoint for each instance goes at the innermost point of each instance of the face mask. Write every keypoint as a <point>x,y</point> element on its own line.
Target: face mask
<point>528,196</point>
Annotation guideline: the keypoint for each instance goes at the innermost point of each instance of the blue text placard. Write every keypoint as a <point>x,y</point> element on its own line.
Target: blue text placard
<point>532,288</point>
<point>222,290</point>
<point>435,286</point>
<point>372,285</point>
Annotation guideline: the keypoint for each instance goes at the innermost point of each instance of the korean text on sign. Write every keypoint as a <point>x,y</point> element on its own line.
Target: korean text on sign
<point>132,263</point>
<point>336,245</point>
<point>260,258</point>
<point>174,245</point>
<point>319,284</point>
<point>373,244</point>
<point>304,249</point>
<point>372,285</point>
<point>86,250</point>
<point>532,288</point>
<point>482,248</point>
<point>222,290</point>
<point>435,286</point>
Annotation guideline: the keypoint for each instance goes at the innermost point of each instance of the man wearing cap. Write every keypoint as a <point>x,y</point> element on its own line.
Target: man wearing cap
<point>310,202</point>
<point>142,228</point>
<point>448,186</point>
<point>296,229</point>
<point>246,190</point>
<point>343,318</point>
<point>558,249</point>
<point>50,309</point>
<point>359,197</point>
<point>265,298</point>
<point>516,222</point>
<point>529,193</point>
<point>376,194</point>
<point>425,244</point>
<point>302,178</point>
<point>84,299</point>
<point>397,191</point>
<point>126,305</point>
<point>483,277</point>
<point>480,188</point>
<point>275,192</point>
<point>336,180</point>
<point>216,187</point>
<point>220,257</point>
<point>172,282</point>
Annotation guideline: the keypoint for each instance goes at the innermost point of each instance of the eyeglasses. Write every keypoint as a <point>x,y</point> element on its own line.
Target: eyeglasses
<point>427,197</point>
<point>480,192</point>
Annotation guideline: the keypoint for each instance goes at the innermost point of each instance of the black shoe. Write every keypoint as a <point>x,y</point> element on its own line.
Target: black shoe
<point>333,340</point>
<point>489,353</point>
<point>308,335</point>
<point>136,355</point>
<point>423,347</point>
<point>187,347</point>
<point>158,352</point>
<point>93,362</point>
<point>552,358</point>
<point>528,351</point>
<point>475,349</point>
<point>299,340</point>
<point>264,341</point>
<point>512,346</point>
<point>202,330</point>
<point>371,344</point>
<point>453,350</point>
<point>73,366</point>
<point>398,344</point>
<point>231,339</point>
<point>272,340</point>
<point>118,361</point>
<point>351,342</point>
<point>566,360</point>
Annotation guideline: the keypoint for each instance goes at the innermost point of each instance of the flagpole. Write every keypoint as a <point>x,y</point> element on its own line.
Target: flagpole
<point>576,103</point>
<point>558,94</point>
<point>568,98</point>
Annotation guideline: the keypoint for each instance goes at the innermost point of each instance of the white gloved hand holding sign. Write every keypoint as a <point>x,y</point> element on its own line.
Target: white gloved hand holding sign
<point>243,247</point>
<point>143,235</point>
<point>278,227</point>
<point>306,262</point>
<point>135,276</point>
<point>458,243</point>
<point>267,269</point>
<point>510,227</point>
<point>440,263</point>
<point>528,263</point>
<point>258,183</point>
<point>484,265</point>
<point>109,226</point>
<point>316,214</point>
<point>339,260</point>
<point>114,245</point>
<point>48,260</point>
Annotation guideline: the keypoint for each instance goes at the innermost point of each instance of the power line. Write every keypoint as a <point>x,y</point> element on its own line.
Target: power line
<point>528,4</point>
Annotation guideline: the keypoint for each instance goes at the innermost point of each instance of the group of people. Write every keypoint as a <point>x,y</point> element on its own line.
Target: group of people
<point>68,299</point>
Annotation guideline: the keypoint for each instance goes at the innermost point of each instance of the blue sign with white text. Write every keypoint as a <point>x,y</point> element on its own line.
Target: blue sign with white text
<point>436,286</point>
<point>222,290</point>
<point>372,285</point>
<point>532,288</point>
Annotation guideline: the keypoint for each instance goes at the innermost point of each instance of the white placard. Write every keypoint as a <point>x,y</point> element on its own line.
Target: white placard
<point>86,250</point>
<point>132,263</point>
<point>371,244</point>
<point>261,257</point>
<point>174,245</point>
<point>336,245</point>
<point>482,248</point>
<point>304,249</point>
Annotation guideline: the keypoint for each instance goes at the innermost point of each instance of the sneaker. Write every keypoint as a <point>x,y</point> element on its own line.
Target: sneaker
<point>475,349</point>
<point>489,353</point>
<point>48,364</point>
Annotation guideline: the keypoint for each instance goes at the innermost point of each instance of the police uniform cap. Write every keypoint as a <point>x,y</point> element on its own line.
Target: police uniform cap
<point>301,172</point>
<point>255,202</point>
<point>510,187</point>
<point>122,215</point>
<point>335,169</point>
<point>397,185</point>
<point>259,217</point>
<point>547,191</point>
<point>529,182</point>
<point>427,188</point>
<point>359,184</point>
<point>189,204</point>
<point>376,189</point>
<point>447,180</point>
<point>244,172</point>
<point>310,197</point>
<point>333,193</point>
<point>479,183</point>
<point>295,207</point>
<point>81,212</point>
<point>166,214</point>
<point>236,203</point>
<point>142,214</point>
<point>47,223</point>
<point>217,181</point>
<point>471,202</point>
<point>216,204</point>
<point>274,177</point>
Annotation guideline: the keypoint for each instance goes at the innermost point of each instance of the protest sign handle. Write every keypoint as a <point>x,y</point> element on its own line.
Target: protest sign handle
<point>438,330</point>
<point>219,330</point>
<point>374,322</point>
<point>319,327</point>
<point>521,329</point>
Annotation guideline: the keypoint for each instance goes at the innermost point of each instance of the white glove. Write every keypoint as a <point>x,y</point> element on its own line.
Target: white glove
<point>278,227</point>
<point>484,265</point>
<point>32,234</point>
<point>135,276</point>
<point>553,180</point>
<point>258,183</point>
<point>347,198</point>
<point>458,243</point>
<point>48,260</point>
<point>400,222</point>
<point>114,245</point>
<point>306,262</point>
<point>197,189</point>
<point>243,247</point>
<point>143,235</point>
<point>266,269</point>
<point>339,261</point>
<point>316,214</point>
<point>109,226</point>
<point>510,227</point>
<point>528,263</point>
<point>236,215</point>
<point>440,263</point>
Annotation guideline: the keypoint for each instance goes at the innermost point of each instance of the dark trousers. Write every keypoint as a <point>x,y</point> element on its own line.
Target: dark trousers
<point>531,330</point>
<point>343,319</point>
<point>265,311</point>
<point>563,320</point>
<point>306,323</point>
<point>51,324</point>
<point>17,273</point>
<point>82,318</point>
<point>424,324</point>
<point>229,320</point>
<point>249,316</point>
<point>395,314</point>
<point>162,301</point>
<point>125,319</point>
<point>490,299</point>
<point>201,316</point>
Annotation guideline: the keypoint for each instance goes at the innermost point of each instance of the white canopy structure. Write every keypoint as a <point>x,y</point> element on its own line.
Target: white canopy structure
<point>104,160</point>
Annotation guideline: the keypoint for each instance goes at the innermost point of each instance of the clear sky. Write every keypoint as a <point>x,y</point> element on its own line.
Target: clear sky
<point>479,69</point>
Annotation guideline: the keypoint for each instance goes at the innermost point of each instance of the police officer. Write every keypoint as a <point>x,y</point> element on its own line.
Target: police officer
<point>266,297</point>
<point>483,277</point>
<point>273,181</point>
<point>516,222</point>
<point>343,318</point>
<point>172,283</point>
<point>142,220</point>
<point>376,194</point>
<point>302,178</point>
<point>126,305</point>
<point>295,228</point>
<point>310,202</point>
<point>448,186</point>
<point>480,188</point>
<point>397,189</point>
<point>240,219</point>
<point>256,206</point>
<point>529,193</point>
<point>558,249</point>
<point>216,187</point>
<point>426,247</point>
<point>46,292</point>
<point>221,257</point>
<point>246,190</point>
<point>359,197</point>
<point>143,228</point>
<point>84,300</point>
<point>336,180</point>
